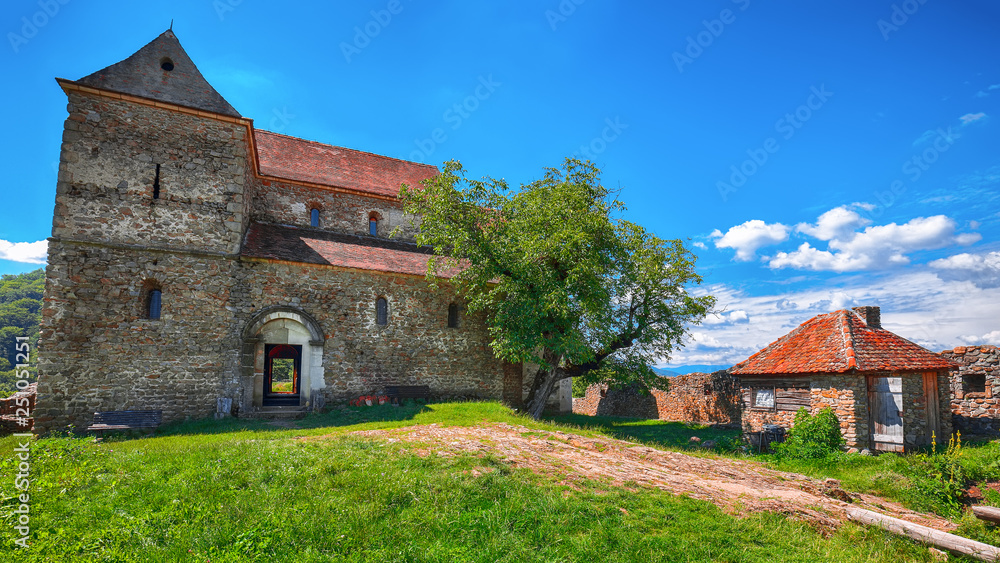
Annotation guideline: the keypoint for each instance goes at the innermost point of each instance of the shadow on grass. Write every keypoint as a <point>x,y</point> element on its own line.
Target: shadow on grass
<point>336,416</point>
<point>652,432</point>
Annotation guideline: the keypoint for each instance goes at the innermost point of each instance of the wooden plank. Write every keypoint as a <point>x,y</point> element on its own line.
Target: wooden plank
<point>949,542</point>
<point>988,513</point>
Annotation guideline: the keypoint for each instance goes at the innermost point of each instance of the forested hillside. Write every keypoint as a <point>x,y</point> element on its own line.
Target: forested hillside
<point>20,313</point>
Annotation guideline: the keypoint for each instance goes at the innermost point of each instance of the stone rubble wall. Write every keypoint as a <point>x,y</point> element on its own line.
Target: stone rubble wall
<point>695,397</point>
<point>975,412</point>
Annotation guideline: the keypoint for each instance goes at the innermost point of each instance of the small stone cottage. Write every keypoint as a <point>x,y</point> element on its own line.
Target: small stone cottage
<point>975,388</point>
<point>888,393</point>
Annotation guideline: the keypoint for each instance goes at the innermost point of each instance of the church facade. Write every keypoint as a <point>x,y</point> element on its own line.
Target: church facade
<point>194,257</point>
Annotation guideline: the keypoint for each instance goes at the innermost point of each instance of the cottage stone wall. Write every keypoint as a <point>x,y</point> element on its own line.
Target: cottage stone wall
<point>694,397</point>
<point>975,411</point>
<point>847,396</point>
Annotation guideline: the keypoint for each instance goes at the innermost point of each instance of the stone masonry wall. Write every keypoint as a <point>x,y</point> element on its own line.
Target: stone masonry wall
<point>98,352</point>
<point>289,204</point>
<point>416,347</point>
<point>695,397</point>
<point>107,170</point>
<point>975,411</point>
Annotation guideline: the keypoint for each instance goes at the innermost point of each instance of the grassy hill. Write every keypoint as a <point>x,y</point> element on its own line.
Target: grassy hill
<point>238,490</point>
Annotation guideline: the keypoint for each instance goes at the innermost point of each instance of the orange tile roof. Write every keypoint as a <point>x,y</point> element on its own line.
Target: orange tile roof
<point>311,246</point>
<point>840,342</point>
<point>294,159</point>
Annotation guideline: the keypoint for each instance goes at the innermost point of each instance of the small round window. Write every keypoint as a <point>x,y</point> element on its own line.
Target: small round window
<point>167,65</point>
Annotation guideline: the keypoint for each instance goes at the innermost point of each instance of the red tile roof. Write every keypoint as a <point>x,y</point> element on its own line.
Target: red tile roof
<point>294,159</point>
<point>277,242</point>
<point>840,342</point>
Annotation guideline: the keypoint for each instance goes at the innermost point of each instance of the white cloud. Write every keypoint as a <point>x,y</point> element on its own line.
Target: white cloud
<point>749,237</point>
<point>29,252</point>
<point>972,118</point>
<point>875,247</point>
<point>699,244</point>
<point>917,305</point>
<point>980,269</point>
<point>837,223</point>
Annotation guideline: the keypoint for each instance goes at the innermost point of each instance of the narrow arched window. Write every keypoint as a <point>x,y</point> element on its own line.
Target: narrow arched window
<point>452,316</point>
<point>373,225</point>
<point>381,311</point>
<point>314,217</point>
<point>154,304</point>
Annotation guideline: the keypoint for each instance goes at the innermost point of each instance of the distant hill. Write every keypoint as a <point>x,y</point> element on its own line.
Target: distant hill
<point>671,371</point>
<point>20,312</point>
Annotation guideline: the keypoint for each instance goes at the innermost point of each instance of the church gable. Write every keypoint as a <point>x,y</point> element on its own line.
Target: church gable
<point>161,71</point>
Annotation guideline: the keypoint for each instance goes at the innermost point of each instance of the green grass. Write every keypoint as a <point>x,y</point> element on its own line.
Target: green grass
<point>238,490</point>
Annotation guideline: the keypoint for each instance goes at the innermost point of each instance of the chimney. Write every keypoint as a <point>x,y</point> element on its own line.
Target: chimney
<point>871,315</point>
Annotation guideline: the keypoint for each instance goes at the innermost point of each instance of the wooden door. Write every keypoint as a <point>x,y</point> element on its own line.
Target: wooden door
<point>885,399</point>
<point>933,408</point>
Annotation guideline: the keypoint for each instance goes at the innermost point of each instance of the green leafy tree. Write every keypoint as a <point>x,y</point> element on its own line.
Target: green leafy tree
<point>565,283</point>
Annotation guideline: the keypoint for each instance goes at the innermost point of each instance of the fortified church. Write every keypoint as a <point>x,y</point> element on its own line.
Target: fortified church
<point>194,258</point>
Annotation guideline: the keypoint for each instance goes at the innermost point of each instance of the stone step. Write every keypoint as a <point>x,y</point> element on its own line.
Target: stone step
<point>278,412</point>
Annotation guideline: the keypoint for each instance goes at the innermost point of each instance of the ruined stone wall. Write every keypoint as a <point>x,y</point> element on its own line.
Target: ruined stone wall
<point>695,397</point>
<point>107,172</point>
<point>975,411</point>
<point>290,204</point>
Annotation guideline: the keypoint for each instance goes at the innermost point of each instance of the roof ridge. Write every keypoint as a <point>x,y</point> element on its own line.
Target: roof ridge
<point>310,141</point>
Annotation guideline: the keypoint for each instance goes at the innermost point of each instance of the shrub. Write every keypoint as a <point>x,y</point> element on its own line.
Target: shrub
<point>812,436</point>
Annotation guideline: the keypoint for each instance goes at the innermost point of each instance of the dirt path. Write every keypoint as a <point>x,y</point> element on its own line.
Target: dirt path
<point>735,486</point>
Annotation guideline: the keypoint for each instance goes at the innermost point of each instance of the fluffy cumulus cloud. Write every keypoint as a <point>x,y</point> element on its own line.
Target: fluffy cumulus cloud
<point>29,252</point>
<point>747,238</point>
<point>980,269</point>
<point>875,247</point>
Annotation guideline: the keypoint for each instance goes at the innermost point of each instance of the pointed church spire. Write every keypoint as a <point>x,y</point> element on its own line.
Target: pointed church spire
<point>163,71</point>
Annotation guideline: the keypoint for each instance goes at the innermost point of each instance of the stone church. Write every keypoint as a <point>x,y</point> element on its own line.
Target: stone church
<point>194,257</point>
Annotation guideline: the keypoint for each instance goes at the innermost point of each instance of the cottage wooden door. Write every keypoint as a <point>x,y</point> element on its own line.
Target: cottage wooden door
<point>885,399</point>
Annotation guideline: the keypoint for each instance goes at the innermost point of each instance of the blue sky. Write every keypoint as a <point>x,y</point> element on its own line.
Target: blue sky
<point>816,155</point>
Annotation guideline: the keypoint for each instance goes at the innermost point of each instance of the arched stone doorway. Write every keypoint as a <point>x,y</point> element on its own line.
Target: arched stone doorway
<point>283,357</point>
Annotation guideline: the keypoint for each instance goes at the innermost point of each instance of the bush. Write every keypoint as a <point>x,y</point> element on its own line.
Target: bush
<point>811,436</point>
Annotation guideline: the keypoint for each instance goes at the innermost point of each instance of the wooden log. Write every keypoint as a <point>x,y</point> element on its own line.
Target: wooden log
<point>943,540</point>
<point>987,513</point>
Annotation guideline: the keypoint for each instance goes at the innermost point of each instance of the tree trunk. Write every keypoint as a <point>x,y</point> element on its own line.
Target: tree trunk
<point>542,389</point>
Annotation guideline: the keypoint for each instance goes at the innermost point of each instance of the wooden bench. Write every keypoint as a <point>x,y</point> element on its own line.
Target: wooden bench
<point>125,420</point>
<point>399,393</point>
